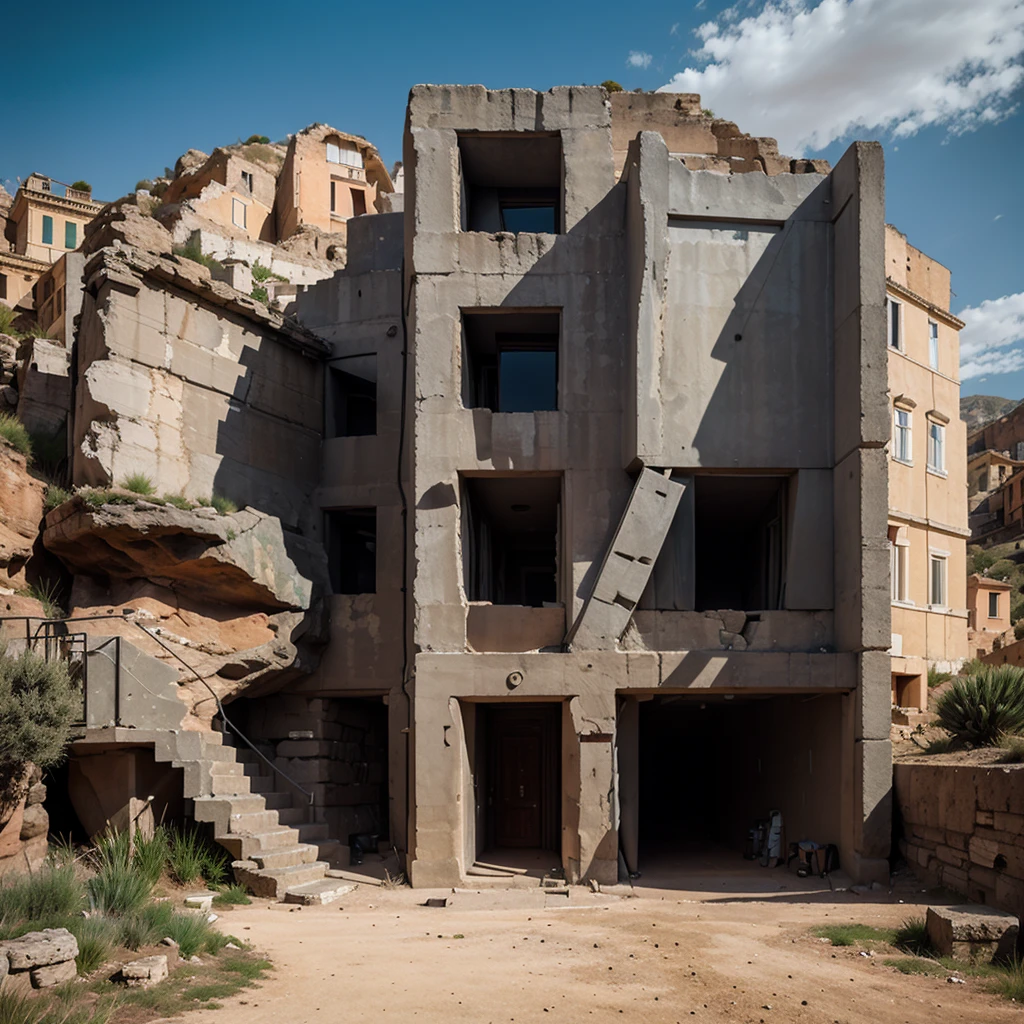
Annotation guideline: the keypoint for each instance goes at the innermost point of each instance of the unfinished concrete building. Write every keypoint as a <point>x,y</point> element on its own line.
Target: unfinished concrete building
<point>604,494</point>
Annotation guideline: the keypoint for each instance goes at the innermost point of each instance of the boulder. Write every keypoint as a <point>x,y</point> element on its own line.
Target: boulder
<point>145,972</point>
<point>34,822</point>
<point>189,161</point>
<point>244,559</point>
<point>40,949</point>
<point>55,974</point>
<point>971,931</point>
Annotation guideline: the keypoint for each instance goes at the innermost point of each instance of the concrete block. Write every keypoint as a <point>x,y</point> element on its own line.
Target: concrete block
<point>970,932</point>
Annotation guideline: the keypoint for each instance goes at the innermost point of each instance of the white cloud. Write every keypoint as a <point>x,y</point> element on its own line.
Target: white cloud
<point>639,59</point>
<point>809,73</point>
<point>674,30</point>
<point>993,328</point>
<point>700,5</point>
<point>998,216</point>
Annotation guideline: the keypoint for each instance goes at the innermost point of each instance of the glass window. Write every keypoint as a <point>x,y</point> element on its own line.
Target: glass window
<point>895,324</point>
<point>527,380</point>
<point>993,606</point>
<point>937,581</point>
<point>70,234</point>
<point>902,449</point>
<point>937,447</point>
<point>540,217</point>
<point>898,557</point>
<point>47,230</point>
<point>340,151</point>
<point>933,344</point>
<point>238,213</point>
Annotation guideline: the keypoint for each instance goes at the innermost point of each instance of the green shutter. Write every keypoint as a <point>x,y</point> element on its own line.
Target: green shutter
<point>70,234</point>
<point>47,230</point>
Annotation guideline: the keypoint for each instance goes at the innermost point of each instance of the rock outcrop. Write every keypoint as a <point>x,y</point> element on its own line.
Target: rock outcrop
<point>24,822</point>
<point>21,511</point>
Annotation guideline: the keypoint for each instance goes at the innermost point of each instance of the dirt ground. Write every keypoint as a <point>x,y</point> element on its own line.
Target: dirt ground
<point>734,945</point>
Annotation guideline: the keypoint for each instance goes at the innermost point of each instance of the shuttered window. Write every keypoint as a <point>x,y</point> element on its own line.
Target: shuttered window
<point>47,230</point>
<point>70,234</point>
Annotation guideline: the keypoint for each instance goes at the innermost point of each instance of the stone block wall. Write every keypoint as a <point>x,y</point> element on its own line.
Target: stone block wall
<point>963,827</point>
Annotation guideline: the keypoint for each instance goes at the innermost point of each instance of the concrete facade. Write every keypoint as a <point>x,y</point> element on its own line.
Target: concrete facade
<point>927,468</point>
<point>988,615</point>
<point>574,409</point>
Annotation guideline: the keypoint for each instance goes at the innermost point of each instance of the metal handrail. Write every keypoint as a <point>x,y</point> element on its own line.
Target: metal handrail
<point>49,634</point>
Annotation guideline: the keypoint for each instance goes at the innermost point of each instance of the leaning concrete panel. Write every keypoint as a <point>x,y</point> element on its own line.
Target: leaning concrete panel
<point>628,562</point>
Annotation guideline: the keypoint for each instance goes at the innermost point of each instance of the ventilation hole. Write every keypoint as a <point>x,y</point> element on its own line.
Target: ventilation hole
<point>644,560</point>
<point>999,863</point>
<point>623,602</point>
<point>661,494</point>
<point>622,554</point>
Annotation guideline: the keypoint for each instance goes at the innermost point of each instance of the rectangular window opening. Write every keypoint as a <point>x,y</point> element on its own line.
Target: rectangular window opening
<point>937,581</point>
<point>937,447</point>
<point>739,542</point>
<point>511,182</point>
<point>3,286</point>
<point>351,541</point>
<point>898,556</point>
<point>70,234</point>
<point>933,344</point>
<point>902,441</point>
<point>895,324</point>
<point>47,229</point>
<point>510,529</point>
<point>334,197</point>
<point>510,360</point>
<point>358,202</point>
<point>352,403</point>
<point>238,213</point>
<point>247,180</point>
<point>993,606</point>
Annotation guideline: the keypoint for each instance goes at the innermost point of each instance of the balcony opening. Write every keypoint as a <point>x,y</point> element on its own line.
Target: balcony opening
<point>739,534</point>
<point>510,360</point>
<point>511,182</point>
<point>351,541</point>
<point>510,539</point>
<point>352,401</point>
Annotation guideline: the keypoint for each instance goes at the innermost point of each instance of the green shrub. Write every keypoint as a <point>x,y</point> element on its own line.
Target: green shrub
<point>119,887</point>
<point>55,496</point>
<point>912,937</point>
<point>191,858</point>
<point>1002,569</point>
<point>138,483</point>
<point>194,934</point>
<point>261,273</point>
<point>707,112</point>
<point>179,501</point>
<point>264,139</point>
<point>7,318</point>
<point>82,186</point>
<point>225,506</point>
<point>96,939</point>
<point>260,294</point>
<point>52,892</point>
<point>611,85</point>
<point>979,709</point>
<point>144,185</point>
<point>981,560</point>
<point>935,677</point>
<point>233,895</point>
<point>192,251</point>
<point>38,704</point>
<point>150,854</point>
<point>13,431</point>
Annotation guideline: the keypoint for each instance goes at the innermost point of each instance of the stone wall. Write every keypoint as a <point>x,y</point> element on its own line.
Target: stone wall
<point>963,827</point>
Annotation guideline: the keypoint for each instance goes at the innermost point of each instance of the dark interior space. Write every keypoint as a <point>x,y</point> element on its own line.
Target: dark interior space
<point>510,360</point>
<point>511,182</point>
<point>510,539</point>
<point>353,396</point>
<point>518,776</point>
<point>351,539</point>
<point>739,528</point>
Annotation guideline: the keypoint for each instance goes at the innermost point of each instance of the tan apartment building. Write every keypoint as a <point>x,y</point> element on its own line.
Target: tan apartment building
<point>988,615</point>
<point>606,453</point>
<point>927,472</point>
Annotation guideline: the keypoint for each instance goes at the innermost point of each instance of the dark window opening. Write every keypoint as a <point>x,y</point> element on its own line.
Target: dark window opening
<point>510,360</point>
<point>993,606</point>
<point>353,398</point>
<point>510,539</point>
<point>334,197</point>
<point>358,202</point>
<point>3,286</point>
<point>247,180</point>
<point>351,538</point>
<point>739,542</point>
<point>511,182</point>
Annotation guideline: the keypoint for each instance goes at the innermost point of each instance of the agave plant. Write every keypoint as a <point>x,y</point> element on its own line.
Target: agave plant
<point>981,708</point>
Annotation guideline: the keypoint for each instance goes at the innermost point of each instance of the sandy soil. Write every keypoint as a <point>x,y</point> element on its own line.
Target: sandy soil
<point>735,947</point>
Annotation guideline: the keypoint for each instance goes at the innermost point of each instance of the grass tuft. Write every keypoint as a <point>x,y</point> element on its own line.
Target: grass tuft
<point>51,893</point>
<point>1013,750</point>
<point>233,895</point>
<point>192,251</point>
<point>912,937</point>
<point>851,934</point>
<point>55,496</point>
<point>915,965</point>
<point>192,859</point>
<point>138,483</point>
<point>13,432</point>
<point>1010,981</point>
<point>96,937</point>
<point>119,887</point>
<point>179,501</point>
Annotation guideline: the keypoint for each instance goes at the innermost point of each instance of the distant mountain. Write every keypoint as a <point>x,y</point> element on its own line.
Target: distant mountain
<point>977,410</point>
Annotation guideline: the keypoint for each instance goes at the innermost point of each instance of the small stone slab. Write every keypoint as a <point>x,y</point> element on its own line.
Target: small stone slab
<point>54,974</point>
<point>40,949</point>
<point>318,893</point>
<point>145,972</point>
<point>971,931</point>
<point>200,900</point>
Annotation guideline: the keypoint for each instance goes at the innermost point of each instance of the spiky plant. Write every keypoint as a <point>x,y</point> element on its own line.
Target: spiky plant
<point>981,708</point>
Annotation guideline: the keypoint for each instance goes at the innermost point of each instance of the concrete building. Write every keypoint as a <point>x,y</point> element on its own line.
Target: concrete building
<point>46,220</point>
<point>927,470</point>
<point>604,491</point>
<point>988,615</point>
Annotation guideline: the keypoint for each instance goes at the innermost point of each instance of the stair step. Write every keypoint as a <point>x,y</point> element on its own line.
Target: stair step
<point>244,847</point>
<point>230,785</point>
<point>243,803</point>
<point>275,801</point>
<point>274,883</point>
<point>319,893</point>
<point>261,783</point>
<point>292,815</point>
<point>286,856</point>
<point>249,822</point>
<point>479,871</point>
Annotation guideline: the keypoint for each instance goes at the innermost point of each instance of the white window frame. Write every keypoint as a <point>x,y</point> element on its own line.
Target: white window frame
<point>340,153</point>
<point>899,562</point>
<point>236,205</point>
<point>938,560</point>
<point>936,448</point>
<point>894,320</point>
<point>993,596</point>
<point>933,344</point>
<point>898,432</point>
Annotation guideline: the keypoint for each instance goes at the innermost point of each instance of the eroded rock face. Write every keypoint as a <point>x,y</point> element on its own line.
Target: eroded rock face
<point>244,559</point>
<point>21,511</point>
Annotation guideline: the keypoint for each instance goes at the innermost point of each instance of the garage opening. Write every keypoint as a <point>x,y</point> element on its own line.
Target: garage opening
<point>706,767</point>
<point>514,755</point>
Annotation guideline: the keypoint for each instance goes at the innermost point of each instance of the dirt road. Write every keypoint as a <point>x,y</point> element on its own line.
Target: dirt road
<point>661,957</point>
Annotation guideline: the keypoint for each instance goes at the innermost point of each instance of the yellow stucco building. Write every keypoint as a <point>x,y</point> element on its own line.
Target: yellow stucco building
<point>927,473</point>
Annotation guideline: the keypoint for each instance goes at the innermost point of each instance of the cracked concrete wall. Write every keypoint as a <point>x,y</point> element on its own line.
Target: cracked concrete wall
<point>195,397</point>
<point>650,374</point>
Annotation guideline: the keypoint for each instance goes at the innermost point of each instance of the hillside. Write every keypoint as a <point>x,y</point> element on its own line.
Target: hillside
<point>977,410</point>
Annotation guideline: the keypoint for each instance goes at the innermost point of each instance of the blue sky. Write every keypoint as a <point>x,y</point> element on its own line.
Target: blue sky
<point>120,91</point>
